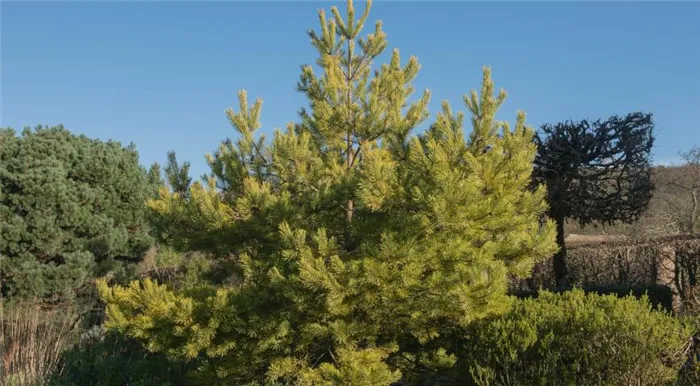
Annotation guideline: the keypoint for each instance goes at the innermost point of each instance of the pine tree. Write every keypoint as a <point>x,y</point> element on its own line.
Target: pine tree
<point>178,175</point>
<point>155,178</point>
<point>71,207</point>
<point>361,249</point>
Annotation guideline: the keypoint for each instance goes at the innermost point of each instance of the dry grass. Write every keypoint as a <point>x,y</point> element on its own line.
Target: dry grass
<point>32,339</point>
<point>577,239</point>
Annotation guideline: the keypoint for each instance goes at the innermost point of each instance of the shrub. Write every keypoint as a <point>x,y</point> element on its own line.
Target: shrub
<point>659,295</point>
<point>111,360</point>
<point>574,339</point>
<point>690,373</point>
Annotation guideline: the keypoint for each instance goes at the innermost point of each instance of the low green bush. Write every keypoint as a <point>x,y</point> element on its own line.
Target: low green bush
<point>112,360</point>
<point>574,338</point>
<point>659,295</point>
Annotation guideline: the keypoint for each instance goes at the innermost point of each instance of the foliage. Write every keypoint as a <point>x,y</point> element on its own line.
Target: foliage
<point>178,175</point>
<point>599,171</point>
<point>111,360</point>
<point>660,296</point>
<point>690,373</point>
<point>177,181</point>
<point>187,272</point>
<point>72,208</point>
<point>359,250</point>
<point>155,178</point>
<point>575,339</point>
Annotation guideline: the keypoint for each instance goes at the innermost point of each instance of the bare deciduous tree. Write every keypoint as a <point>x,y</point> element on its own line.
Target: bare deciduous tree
<point>690,182</point>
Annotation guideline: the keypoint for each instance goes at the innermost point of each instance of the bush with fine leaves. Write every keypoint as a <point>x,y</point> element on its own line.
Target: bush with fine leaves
<point>575,339</point>
<point>112,360</point>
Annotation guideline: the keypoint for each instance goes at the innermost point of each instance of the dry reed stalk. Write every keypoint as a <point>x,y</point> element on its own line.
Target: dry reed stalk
<point>32,340</point>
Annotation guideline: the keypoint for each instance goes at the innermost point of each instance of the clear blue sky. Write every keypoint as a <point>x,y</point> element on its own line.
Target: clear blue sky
<point>161,74</point>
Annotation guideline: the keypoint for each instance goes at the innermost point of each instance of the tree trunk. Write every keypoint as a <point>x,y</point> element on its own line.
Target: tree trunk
<point>559,260</point>
<point>349,208</point>
<point>349,205</point>
<point>694,214</point>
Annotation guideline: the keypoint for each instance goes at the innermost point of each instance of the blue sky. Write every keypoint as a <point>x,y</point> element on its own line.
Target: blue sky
<point>161,74</point>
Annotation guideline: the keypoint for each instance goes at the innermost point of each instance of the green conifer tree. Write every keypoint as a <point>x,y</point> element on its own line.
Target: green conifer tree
<point>72,208</point>
<point>178,175</point>
<point>361,250</point>
<point>155,178</point>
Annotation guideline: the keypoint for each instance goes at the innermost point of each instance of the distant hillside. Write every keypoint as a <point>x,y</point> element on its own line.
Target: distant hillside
<point>668,213</point>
